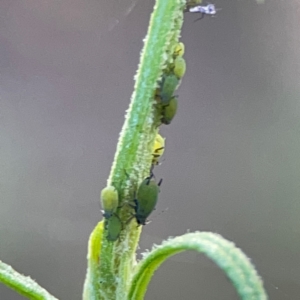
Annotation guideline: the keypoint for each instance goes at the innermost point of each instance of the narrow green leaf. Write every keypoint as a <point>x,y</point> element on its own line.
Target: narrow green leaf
<point>225,254</point>
<point>91,284</point>
<point>25,286</point>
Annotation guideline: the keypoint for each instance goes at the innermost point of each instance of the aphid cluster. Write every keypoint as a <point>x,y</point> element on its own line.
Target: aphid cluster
<point>145,196</point>
<point>109,199</point>
<point>144,202</point>
<point>167,102</point>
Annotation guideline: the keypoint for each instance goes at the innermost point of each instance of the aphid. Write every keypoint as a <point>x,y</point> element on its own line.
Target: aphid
<point>179,67</point>
<point>179,50</point>
<point>168,86</point>
<point>209,9</point>
<point>109,200</point>
<point>158,149</point>
<point>113,226</point>
<point>169,111</point>
<point>146,199</point>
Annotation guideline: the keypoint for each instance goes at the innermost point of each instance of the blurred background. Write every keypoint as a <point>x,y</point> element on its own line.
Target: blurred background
<point>232,158</point>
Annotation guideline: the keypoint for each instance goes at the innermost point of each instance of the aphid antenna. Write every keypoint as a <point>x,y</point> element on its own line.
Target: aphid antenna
<point>151,175</point>
<point>156,164</point>
<point>158,150</point>
<point>161,212</point>
<point>130,218</point>
<point>152,167</point>
<point>158,214</point>
<point>160,182</point>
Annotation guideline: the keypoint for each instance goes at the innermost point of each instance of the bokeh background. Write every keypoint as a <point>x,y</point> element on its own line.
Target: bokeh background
<point>232,159</point>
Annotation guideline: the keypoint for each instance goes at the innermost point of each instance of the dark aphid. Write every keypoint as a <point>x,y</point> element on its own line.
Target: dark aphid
<point>109,200</point>
<point>167,88</point>
<point>146,199</point>
<point>113,226</point>
<point>169,111</point>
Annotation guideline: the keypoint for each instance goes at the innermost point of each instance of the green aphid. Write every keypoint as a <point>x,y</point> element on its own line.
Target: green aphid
<point>113,226</point>
<point>167,88</point>
<point>169,111</point>
<point>179,50</point>
<point>179,67</point>
<point>146,199</point>
<point>109,200</point>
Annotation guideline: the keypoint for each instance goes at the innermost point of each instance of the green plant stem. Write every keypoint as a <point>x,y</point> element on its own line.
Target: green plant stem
<point>134,151</point>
